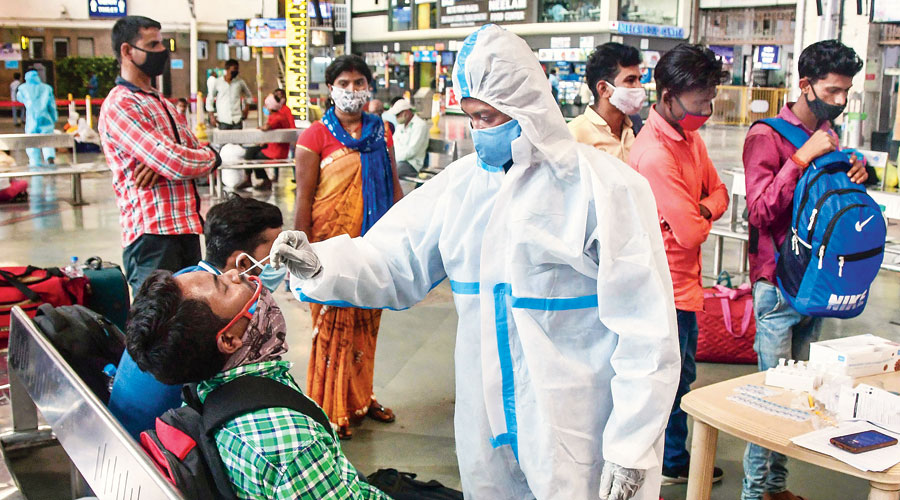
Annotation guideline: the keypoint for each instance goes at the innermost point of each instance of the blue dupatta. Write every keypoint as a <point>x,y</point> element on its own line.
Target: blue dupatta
<point>377,175</point>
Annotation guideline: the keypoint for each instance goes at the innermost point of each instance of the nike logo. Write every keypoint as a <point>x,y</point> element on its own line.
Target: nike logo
<point>861,225</point>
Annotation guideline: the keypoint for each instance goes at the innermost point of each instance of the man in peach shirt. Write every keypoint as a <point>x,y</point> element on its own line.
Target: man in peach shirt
<point>613,74</point>
<point>689,196</point>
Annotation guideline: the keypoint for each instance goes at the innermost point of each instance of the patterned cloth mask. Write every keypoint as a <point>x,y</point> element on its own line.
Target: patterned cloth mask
<point>350,101</point>
<point>265,338</point>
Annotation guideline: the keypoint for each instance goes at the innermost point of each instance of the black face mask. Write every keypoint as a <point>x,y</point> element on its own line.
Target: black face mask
<point>234,74</point>
<point>155,62</point>
<point>822,110</point>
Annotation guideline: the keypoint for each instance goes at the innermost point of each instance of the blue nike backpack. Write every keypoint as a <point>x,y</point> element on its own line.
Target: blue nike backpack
<point>836,244</point>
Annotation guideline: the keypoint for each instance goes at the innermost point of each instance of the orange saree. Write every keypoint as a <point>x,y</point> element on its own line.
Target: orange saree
<point>342,361</point>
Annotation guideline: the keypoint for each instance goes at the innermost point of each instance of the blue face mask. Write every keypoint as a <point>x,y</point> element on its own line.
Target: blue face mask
<point>272,278</point>
<point>494,145</point>
<point>269,277</point>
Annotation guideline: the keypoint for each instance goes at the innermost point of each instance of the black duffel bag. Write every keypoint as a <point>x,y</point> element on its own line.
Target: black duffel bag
<point>403,486</point>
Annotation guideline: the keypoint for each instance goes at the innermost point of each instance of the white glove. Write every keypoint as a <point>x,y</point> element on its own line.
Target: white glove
<point>619,483</point>
<point>292,250</point>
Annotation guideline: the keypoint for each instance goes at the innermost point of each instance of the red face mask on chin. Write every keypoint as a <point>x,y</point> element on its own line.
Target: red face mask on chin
<point>691,121</point>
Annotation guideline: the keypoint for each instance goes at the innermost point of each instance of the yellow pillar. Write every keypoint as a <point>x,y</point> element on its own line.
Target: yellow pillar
<point>87,111</point>
<point>423,16</point>
<point>745,95</point>
<point>200,127</point>
<point>435,115</point>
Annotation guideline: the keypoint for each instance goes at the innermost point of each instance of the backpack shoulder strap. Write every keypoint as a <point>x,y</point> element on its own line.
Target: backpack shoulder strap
<point>794,134</point>
<point>798,137</point>
<point>248,394</point>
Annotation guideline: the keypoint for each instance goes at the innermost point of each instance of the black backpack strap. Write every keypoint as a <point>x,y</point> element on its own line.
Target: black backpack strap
<point>13,280</point>
<point>190,398</point>
<point>248,394</point>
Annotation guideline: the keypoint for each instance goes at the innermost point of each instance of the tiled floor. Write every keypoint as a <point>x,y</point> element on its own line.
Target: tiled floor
<point>414,362</point>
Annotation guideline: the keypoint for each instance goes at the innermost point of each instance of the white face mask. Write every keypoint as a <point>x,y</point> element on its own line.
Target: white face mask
<point>350,101</point>
<point>627,100</point>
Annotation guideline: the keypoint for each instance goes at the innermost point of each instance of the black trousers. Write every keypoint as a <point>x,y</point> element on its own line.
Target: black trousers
<point>255,153</point>
<point>230,126</point>
<point>404,169</point>
<point>158,251</point>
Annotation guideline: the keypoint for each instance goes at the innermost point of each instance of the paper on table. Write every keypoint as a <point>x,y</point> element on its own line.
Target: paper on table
<point>875,461</point>
<point>876,405</point>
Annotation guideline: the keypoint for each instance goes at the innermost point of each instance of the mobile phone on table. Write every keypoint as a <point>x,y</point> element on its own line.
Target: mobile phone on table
<point>861,442</point>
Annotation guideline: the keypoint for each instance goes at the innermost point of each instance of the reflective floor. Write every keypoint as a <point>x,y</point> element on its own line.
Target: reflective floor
<point>414,363</point>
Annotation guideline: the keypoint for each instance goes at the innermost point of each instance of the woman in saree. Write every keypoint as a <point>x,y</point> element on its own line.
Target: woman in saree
<point>346,180</point>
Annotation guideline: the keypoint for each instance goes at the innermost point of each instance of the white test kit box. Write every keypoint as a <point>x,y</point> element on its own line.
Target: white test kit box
<point>857,356</point>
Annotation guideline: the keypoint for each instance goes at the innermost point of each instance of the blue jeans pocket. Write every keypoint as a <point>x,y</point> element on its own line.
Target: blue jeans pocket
<point>766,299</point>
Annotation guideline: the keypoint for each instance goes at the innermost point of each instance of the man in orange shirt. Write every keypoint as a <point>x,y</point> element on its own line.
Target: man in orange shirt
<point>689,196</point>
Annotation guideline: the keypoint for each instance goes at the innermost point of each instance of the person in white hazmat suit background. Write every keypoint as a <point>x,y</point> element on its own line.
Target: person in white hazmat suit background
<point>40,115</point>
<point>567,358</point>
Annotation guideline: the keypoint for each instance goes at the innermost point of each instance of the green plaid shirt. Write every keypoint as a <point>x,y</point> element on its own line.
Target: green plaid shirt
<point>277,453</point>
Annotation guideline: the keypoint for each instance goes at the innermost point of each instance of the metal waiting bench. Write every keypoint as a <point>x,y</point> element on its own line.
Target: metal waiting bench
<point>104,457</point>
<point>249,136</point>
<point>18,142</point>
<point>733,230</point>
<point>438,147</point>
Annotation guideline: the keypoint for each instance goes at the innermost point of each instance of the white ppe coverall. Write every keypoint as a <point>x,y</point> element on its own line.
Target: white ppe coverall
<point>566,350</point>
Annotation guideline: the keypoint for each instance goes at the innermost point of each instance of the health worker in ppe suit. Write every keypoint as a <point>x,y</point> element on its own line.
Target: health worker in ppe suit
<point>40,114</point>
<point>566,352</point>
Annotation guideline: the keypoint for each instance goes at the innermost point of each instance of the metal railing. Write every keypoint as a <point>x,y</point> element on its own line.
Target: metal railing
<point>736,105</point>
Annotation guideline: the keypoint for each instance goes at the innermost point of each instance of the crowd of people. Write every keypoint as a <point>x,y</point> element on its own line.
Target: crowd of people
<point>572,251</point>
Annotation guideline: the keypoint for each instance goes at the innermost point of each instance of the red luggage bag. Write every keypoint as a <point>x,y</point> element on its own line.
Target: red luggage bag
<point>29,287</point>
<point>727,327</point>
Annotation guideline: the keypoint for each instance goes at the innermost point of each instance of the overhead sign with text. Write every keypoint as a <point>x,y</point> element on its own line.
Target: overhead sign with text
<point>456,13</point>
<point>767,57</point>
<point>641,29</point>
<point>107,8</point>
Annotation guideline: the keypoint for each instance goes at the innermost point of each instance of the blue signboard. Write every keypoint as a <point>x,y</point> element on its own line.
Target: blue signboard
<point>640,29</point>
<point>767,57</point>
<point>107,8</point>
<point>425,56</point>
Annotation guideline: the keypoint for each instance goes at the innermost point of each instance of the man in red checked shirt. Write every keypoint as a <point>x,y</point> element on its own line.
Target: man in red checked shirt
<point>154,158</point>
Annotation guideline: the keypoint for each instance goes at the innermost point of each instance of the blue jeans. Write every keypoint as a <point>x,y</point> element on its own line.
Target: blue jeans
<point>781,332</point>
<point>675,456</point>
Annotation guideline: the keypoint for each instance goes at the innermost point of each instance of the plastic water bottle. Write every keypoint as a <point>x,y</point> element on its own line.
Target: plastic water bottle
<point>110,372</point>
<point>73,270</point>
